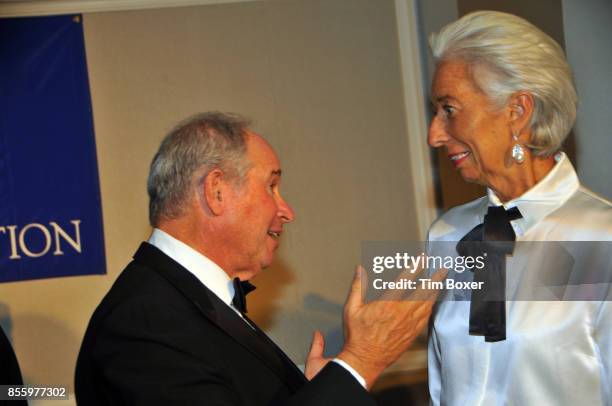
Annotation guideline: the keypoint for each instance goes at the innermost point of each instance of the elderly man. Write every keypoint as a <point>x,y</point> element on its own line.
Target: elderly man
<point>172,329</point>
<point>10,374</point>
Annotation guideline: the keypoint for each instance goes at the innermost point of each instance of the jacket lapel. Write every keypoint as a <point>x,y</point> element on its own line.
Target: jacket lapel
<point>253,339</point>
<point>294,376</point>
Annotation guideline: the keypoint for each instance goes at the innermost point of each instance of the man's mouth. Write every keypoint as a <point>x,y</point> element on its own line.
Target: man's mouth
<point>274,234</point>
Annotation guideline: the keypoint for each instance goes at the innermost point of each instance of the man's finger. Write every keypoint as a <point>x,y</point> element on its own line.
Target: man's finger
<point>355,299</point>
<point>423,309</point>
<point>439,275</point>
<point>398,294</point>
<point>431,288</point>
<point>421,324</point>
<point>317,346</point>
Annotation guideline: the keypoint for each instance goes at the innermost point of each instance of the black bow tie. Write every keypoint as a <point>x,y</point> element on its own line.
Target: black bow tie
<point>241,289</point>
<point>488,305</point>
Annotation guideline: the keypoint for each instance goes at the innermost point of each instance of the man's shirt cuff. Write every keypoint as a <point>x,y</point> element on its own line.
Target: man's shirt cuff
<point>351,371</point>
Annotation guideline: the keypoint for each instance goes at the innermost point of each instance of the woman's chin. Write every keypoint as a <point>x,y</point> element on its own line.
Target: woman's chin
<point>471,176</point>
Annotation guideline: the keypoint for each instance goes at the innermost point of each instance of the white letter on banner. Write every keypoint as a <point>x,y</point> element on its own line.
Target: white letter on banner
<point>2,230</point>
<point>59,231</point>
<point>25,249</point>
<point>14,254</point>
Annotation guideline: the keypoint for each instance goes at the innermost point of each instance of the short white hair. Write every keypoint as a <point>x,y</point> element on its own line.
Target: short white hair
<point>511,55</point>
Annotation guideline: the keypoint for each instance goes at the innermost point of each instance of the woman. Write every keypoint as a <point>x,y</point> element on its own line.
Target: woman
<point>504,102</point>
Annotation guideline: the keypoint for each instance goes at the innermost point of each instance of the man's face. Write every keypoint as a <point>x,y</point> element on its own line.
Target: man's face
<point>257,211</point>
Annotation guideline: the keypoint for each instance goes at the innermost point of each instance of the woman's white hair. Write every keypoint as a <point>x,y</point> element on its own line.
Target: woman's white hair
<point>507,54</point>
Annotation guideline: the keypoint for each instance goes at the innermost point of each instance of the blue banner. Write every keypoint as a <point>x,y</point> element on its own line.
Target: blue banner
<point>50,210</point>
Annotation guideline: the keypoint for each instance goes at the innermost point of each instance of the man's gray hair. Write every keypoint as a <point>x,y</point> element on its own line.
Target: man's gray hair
<point>507,54</point>
<point>188,153</point>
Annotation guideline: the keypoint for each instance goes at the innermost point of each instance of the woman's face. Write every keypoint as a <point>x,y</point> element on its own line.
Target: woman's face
<point>476,135</point>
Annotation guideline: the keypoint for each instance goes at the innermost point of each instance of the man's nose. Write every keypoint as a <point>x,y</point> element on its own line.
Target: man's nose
<point>285,212</point>
<point>437,135</point>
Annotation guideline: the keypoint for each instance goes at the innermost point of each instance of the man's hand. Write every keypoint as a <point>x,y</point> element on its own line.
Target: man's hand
<point>377,333</point>
<point>315,360</point>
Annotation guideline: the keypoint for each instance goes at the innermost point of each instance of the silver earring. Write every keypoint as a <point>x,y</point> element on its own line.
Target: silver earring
<point>518,153</point>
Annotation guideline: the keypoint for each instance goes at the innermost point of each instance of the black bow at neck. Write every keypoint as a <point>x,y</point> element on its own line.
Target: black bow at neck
<point>493,240</point>
<point>241,290</point>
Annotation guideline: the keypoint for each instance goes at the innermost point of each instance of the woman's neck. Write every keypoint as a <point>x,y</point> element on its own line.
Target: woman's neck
<point>521,177</point>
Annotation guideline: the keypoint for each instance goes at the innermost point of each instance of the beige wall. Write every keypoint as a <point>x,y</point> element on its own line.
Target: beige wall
<point>320,79</point>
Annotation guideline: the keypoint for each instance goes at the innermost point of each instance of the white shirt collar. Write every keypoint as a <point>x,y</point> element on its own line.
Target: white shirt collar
<point>546,196</point>
<point>209,273</point>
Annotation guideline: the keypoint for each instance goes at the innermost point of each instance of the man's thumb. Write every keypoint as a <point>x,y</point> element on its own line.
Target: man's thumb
<point>318,345</point>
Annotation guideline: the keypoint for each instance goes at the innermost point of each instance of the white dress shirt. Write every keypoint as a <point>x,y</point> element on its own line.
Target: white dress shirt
<point>556,352</point>
<point>212,276</point>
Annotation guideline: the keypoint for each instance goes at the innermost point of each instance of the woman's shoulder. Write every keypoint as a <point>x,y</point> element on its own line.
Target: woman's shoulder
<point>588,212</point>
<point>592,199</point>
<point>585,202</point>
<point>458,220</point>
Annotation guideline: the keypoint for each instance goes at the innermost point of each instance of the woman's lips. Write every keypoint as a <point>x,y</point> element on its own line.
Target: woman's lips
<point>456,159</point>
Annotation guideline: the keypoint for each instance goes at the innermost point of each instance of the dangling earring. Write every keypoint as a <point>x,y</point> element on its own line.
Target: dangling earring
<point>518,153</point>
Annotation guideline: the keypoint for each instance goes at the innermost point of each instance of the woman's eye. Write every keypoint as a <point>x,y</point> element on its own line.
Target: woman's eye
<point>448,110</point>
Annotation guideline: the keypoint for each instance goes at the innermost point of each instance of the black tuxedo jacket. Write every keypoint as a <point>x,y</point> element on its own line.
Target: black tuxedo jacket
<point>9,369</point>
<point>160,337</point>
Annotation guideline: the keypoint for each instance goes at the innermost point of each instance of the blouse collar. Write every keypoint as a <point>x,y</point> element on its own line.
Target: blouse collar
<point>546,196</point>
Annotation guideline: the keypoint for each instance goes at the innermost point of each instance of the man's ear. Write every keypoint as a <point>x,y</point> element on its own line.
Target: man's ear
<point>521,106</point>
<point>214,191</point>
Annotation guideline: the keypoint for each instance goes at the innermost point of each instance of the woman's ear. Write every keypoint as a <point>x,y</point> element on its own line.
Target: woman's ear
<point>214,189</point>
<point>521,109</point>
